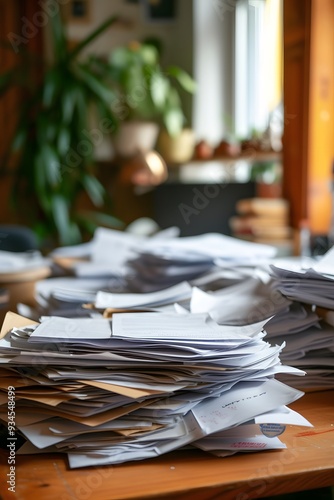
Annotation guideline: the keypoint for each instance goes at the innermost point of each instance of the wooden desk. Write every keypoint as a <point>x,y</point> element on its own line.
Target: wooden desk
<point>307,463</point>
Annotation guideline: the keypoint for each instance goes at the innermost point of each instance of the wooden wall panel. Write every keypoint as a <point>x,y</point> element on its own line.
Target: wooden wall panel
<point>13,14</point>
<point>9,23</point>
<point>296,23</point>
<point>309,111</point>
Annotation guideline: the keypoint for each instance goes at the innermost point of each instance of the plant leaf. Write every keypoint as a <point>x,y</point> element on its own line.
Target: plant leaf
<point>19,139</point>
<point>184,79</point>
<point>52,83</point>
<point>49,161</point>
<point>173,115</point>
<point>40,184</point>
<point>94,34</point>
<point>173,119</point>
<point>102,219</point>
<point>149,54</point>
<point>68,231</point>
<point>64,140</point>
<point>68,104</point>
<point>159,89</point>
<point>94,189</point>
<point>58,36</point>
<point>95,85</point>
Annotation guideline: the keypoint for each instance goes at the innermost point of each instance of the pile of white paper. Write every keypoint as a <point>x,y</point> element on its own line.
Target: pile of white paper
<point>106,255</point>
<point>308,334</point>
<point>14,264</point>
<point>307,286</point>
<point>252,299</point>
<point>142,384</point>
<point>66,296</point>
<point>164,262</point>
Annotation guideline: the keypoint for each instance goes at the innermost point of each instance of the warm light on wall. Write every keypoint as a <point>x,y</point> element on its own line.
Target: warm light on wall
<point>274,52</point>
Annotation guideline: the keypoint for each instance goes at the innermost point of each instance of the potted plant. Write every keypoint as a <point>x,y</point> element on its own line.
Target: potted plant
<point>54,141</point>
<point>146,96</point>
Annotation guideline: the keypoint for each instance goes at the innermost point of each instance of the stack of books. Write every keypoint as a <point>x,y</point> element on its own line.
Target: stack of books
<point>262,220</point>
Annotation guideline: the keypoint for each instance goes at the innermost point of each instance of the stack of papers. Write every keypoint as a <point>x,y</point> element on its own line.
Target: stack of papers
<point>107,253</point>
<point>252,299</point>
<point>66,296</point>
<point>306,327</point>
<point>142,384</point>
<point>307,286</point>
<point>162,263</point>
<point>12,263</point>
<point>150,263</point>
<point>17,266</point>
<point>149,301</point>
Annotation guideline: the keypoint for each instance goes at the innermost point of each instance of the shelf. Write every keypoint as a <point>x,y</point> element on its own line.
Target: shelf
<point>221,169</point>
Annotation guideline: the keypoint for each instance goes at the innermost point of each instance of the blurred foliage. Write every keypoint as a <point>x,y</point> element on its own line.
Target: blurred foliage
<point>143,89</point>
<point>54,141</point>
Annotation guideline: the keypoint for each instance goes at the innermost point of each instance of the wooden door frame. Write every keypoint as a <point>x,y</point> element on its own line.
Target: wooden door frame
<point>15,16</point>
<point>308,93</point>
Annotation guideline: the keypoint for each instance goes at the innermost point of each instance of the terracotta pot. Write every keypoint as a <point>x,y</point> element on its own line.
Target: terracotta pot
<point>264,190</point>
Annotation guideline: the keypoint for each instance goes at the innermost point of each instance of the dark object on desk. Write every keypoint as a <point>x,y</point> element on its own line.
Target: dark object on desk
<point>320,244</point>
<point>15,238</point>
<point>199,208</point>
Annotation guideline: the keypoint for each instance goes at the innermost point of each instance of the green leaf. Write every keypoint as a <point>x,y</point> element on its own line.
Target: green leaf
<point>105,112</point>
<point>64,140</point>
<point>184,79</point>
<point>94,189</point>
<point>173,119</point>
<point>44,128</point>
<point>68,230</point>
<point>96,86</point>
<point>160,87</point>
<point>173,115</point>
<point>80,107</point>
<point>41,184</point>
<point>120,57</point>
<point>59,42</point>
<point>52,84</point>
<point>102,219</point>
<point>49,161</point>
<point>19,139</point>
<point>103,27</point>
<point>68,104</point>
<point>149,54</point>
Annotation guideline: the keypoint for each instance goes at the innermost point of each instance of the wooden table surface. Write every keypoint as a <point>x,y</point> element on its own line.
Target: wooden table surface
<point>308,462</point>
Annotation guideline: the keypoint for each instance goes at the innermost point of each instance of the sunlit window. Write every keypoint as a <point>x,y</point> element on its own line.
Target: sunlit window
<point>238,65</point>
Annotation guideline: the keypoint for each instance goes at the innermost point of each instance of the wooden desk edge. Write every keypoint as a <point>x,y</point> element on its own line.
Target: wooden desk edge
<point>307,463</point>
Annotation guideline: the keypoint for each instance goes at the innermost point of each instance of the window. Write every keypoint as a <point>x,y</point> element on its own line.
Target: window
<point>237,63</point>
